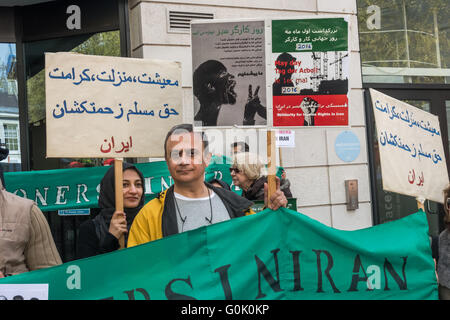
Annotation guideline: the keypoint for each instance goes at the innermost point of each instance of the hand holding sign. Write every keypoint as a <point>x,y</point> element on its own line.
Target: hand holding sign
<point>118,225</point>
<point>277,199</point>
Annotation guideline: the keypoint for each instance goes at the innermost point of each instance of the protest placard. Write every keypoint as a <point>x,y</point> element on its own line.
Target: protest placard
<point>228,62</point>
<point>99,106</point>
<point>310,72</point>
<point>411,150</point>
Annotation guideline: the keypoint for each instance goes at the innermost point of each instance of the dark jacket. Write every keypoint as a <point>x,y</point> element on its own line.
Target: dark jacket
<point>94,237</point>
<point>256,190</point>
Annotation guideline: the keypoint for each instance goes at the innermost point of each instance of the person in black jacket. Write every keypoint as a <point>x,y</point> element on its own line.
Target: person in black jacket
<point>101,234</point>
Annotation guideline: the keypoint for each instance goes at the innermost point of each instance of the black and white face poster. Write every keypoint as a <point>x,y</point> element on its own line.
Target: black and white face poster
<point>228,61</point>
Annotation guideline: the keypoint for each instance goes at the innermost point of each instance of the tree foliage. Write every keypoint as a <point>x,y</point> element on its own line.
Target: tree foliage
<point>102,44</point>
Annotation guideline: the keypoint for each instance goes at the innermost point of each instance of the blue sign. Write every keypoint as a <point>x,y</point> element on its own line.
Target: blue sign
<point>74,212</point>
<point>347,146</point>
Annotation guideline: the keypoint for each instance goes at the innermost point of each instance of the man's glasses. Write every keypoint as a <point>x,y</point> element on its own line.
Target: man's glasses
<point>236,170</point>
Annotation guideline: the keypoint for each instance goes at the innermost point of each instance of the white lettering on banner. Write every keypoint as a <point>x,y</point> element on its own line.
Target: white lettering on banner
<point>74,21</point>
<point>41,198</point>
<point>82,193</point>
<point>61,194</point>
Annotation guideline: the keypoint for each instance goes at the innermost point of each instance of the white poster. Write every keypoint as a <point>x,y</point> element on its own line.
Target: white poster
<point>229,74</point>
<point>411,150</point>
<point>24,291</point>
<point>108,107</point>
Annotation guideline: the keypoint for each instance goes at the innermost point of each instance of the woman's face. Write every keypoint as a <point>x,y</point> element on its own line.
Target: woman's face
<point>239,178</point>
<point>132,189</point>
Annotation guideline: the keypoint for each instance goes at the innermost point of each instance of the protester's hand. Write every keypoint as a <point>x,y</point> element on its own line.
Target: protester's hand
<point>118,225</point>
<point>2,275</point>
<point>253,103</point>
<point>277,199</point>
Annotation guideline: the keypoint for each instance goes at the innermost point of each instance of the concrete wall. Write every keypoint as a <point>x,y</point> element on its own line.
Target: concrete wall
<point>316,173</point>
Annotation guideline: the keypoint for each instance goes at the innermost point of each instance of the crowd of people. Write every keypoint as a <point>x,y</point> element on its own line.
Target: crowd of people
<point>26,241</point>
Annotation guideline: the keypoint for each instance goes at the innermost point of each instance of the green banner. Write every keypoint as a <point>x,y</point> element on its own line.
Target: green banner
<point>307,35</point>
<point>270,255</point>
<point>79,187</point>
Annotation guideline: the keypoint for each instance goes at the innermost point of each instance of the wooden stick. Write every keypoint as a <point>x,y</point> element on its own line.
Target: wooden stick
<point>281,160</point>
<point>421,205</point>
<point>272,169</point>
<point>118,176</point>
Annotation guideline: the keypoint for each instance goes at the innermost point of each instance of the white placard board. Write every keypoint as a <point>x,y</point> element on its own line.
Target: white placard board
<point>411,150</point>
<point>285,138</point>
<point>24,291</point>
<point>107,107</point>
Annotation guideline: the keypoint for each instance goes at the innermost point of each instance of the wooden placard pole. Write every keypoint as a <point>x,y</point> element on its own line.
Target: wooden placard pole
<point>118,182</point>
<point>420,204</point>
<point>271,158</point>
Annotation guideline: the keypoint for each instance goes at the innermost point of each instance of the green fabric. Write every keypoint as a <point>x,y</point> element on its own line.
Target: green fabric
<point>268,255</point>
<point>78,187</point>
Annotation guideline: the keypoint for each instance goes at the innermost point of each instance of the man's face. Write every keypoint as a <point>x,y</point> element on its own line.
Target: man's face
<point>185,158</point>
<point>224,86</point>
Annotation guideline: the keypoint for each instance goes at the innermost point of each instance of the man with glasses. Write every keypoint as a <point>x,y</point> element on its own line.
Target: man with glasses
<point>191,202</point>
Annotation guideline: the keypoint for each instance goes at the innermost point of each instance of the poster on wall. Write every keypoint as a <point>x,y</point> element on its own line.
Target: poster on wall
<point>98,106</point>
<point>229,73</point>
<point>411,151</point>
<point>310,72</point>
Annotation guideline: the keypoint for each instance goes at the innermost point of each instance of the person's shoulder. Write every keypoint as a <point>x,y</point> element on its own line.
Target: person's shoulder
<point>12,198</point>
<point>231,197</point>
<point>154,205</point>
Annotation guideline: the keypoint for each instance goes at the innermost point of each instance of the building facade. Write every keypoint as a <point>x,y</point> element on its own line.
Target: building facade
<point>398,47</point>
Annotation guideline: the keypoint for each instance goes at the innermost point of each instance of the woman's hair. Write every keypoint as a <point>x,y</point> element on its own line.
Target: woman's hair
<point>447,213</point>
<point>249,164</point>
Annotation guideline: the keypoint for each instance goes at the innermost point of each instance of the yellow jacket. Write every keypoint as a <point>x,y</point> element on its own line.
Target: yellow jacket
<point>157,219</point>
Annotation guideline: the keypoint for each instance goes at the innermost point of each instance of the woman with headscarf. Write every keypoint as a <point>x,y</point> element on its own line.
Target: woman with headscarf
<point>101,234</point>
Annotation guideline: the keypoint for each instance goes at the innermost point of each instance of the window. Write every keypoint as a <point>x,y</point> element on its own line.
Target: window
<point>404,41</point>
<point>11,136</point>
<point>100,44</point>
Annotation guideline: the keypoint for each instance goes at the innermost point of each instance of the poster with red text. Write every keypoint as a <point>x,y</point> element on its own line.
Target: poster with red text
<point>310,61</point>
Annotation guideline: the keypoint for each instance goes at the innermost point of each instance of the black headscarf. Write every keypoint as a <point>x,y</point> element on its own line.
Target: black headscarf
<point>3,154</point>
<point>107,200</point>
